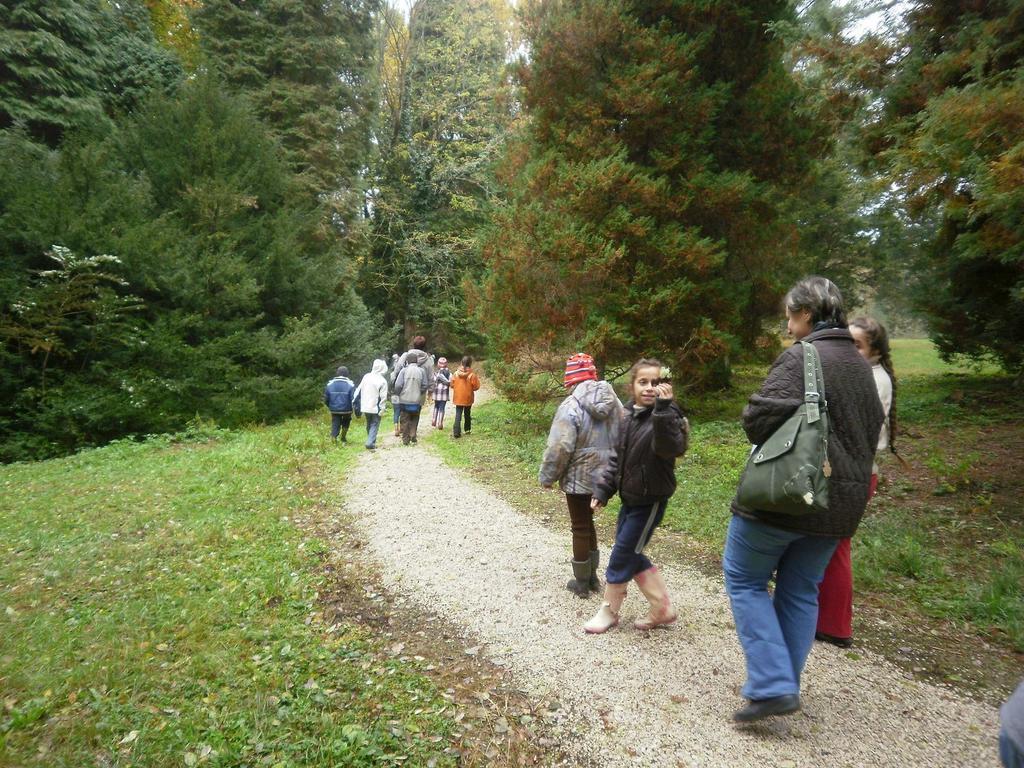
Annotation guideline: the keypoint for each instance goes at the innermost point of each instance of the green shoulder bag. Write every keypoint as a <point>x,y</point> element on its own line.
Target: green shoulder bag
<point>789,472</point>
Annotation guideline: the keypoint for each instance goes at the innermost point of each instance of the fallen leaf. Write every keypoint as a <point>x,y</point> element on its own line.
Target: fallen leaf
<point>132,736</point>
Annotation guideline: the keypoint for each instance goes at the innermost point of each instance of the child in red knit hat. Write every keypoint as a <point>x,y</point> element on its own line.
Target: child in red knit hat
<point>582,438</point>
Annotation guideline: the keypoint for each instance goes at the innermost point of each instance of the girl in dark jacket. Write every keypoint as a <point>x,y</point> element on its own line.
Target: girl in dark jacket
<point>653,434</point>
<point>776,629</point>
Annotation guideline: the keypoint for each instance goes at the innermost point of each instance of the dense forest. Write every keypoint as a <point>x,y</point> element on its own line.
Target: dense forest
<point>206,205</point>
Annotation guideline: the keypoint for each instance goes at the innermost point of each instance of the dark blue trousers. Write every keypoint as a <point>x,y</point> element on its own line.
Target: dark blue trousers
<point>632,533</point>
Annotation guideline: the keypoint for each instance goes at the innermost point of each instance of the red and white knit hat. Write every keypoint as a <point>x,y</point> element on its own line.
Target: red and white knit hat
<point>579,367</point>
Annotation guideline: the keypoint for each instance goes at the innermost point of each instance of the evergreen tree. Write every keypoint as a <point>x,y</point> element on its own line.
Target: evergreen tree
<point>256,302</point>
<point>307,66</point>
<point>173,28</point>
<point>444,117</point>
<point>838,209</point>
<point>648,183</point>
<point>241,308</point>
<point>67,64</point>
<point>49,80</point>
<point>134,62</point>
<point>951,137</point>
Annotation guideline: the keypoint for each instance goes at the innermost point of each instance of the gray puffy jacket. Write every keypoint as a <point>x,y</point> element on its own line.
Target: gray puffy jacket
<point>411,385</point>
<point>582,437</point>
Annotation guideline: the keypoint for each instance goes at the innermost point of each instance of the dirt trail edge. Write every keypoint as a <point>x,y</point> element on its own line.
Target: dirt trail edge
<point>655,699</point>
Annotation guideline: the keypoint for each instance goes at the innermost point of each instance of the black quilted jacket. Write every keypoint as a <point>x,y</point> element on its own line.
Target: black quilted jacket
<point>855,414</point>
<point>643,469</point>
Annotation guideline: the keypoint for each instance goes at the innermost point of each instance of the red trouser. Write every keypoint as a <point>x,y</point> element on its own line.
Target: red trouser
<point>835,593</point>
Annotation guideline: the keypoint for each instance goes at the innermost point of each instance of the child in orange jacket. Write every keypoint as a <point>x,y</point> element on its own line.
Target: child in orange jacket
<point>464,384</point>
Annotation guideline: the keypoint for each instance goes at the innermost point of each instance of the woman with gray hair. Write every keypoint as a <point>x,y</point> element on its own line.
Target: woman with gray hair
<point>777,630</point>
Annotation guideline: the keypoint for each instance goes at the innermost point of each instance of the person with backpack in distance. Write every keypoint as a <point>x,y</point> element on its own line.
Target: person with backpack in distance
<point>417,353</point>
<point>776,629</point>
<point>581,441</point>
<point>411,387</point>
<point>397,411</point>
<point>835,593</point>
<point>441,392</point>
<point>372,399</point>
<point>652,435</point>
<point>338,399</point>
<point>464,384</point>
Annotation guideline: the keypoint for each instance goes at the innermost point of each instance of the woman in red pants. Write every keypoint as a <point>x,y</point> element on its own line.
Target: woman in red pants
<point>835,593</point>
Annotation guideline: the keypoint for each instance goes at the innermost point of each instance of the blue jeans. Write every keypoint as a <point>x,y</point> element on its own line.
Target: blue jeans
<point>372,425</point>
<point>776,632</point>
<point>632,533</point>
<point>1009,753</point>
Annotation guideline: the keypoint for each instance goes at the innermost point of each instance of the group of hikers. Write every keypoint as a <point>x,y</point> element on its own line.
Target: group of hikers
<point>597,447</point>
<point>415,377</point>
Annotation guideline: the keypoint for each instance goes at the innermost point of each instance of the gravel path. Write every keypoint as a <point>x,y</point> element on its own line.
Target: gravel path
<point>657,699</point>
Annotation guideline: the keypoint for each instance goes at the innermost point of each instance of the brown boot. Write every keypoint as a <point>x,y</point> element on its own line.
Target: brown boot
<point>653,586</point>
<point>608,615</point>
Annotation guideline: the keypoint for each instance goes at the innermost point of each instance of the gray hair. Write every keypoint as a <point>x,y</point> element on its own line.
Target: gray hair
<point>820,297</point>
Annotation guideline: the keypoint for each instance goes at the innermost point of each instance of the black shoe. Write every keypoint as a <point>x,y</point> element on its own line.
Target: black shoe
<point>842,642</point>
<point>759,710</point>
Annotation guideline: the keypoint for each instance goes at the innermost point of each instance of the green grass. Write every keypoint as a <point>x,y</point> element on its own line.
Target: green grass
<point>923,558</point>
<point>158,607</point>
<point>941,536</point>
<point>914,357</point>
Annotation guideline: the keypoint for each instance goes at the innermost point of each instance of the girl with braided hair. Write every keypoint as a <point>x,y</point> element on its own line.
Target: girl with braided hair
<point>835,594</point>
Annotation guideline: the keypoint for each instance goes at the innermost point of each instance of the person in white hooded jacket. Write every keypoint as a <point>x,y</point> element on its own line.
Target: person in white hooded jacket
<point>372,396</point>
<point>582,439</point>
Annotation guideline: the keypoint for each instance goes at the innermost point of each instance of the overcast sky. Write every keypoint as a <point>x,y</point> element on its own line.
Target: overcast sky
<point>879,21</point>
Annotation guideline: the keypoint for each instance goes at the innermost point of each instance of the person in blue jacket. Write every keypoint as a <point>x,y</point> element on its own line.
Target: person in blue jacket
<point>338,399</point>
